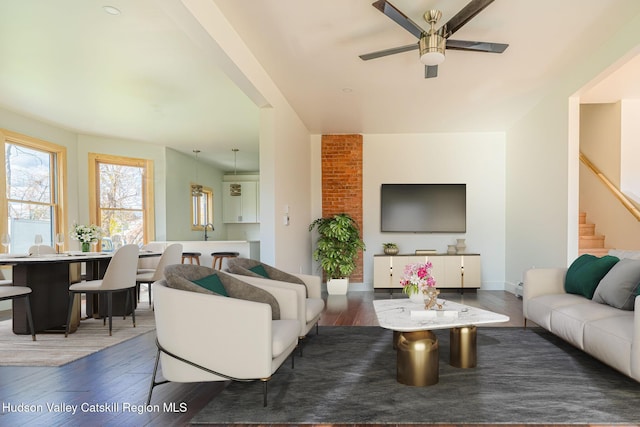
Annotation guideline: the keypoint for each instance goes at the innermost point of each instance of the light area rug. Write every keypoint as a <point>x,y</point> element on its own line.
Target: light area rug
<point>347,375</point>
<point>53,349</point>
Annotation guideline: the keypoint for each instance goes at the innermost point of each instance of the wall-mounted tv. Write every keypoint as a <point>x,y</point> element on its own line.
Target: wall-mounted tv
<point>423,208</point>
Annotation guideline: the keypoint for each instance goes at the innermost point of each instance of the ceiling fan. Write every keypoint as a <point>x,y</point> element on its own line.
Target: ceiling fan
<point>432,43</point>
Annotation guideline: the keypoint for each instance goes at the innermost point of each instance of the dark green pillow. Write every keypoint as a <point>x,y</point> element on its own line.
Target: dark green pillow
<point>259,269</point>
<point>213,284</point>
<point>585,273</point>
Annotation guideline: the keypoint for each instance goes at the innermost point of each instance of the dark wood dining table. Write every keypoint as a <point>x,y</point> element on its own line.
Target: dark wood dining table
<point>49,277</point>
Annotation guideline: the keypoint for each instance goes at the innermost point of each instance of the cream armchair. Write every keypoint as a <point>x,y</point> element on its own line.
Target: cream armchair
<point>206,337</point>
<point>308,288</point>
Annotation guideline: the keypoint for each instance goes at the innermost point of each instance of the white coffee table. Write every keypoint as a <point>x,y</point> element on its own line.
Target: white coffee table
<point>416,344</point>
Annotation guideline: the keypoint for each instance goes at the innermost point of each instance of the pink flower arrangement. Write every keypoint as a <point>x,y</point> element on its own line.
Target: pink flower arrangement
<point>417,278</point>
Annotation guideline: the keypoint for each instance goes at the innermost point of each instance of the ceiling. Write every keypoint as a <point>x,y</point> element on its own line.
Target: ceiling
<point>148,74</point>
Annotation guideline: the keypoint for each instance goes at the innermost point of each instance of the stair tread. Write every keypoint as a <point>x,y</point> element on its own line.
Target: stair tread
<point>594,251</point>
<point>588,241</point>
<point>593,237</point>
<point>587,229</point>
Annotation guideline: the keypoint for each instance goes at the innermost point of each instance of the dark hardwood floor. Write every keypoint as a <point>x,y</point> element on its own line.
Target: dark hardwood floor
<point>113,384</point>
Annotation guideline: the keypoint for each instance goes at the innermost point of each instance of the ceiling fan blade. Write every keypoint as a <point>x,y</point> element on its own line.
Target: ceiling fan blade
<point>465,15</point>
<point>476,46</point>
<point>398,17</point>
<point>430,71</point>
<point>387,52</point>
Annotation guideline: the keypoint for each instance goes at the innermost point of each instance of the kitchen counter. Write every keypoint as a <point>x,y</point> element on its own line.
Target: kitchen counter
<point>247,249</point>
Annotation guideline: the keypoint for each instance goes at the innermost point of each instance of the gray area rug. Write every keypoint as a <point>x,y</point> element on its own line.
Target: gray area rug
<point>348,375</point>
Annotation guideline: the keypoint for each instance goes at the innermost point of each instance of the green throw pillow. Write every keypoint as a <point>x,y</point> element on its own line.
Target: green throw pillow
<point>259,269</point>
<point>585,273</point>
<point>213,284</point>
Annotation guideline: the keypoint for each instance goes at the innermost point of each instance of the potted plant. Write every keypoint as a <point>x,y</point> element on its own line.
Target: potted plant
<point>86,234</point>
<point>337,249</point>
<point>390,248</point>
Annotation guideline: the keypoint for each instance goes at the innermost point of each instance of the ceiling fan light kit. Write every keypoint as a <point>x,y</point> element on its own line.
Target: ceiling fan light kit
<point>432,49</point>
<point>432,44</point>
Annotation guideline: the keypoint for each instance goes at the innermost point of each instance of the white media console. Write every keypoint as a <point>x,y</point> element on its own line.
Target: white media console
<point>459,271</point>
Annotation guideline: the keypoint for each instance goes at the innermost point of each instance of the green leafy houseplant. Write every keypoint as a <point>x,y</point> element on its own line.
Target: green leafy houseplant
<point>338,245</point>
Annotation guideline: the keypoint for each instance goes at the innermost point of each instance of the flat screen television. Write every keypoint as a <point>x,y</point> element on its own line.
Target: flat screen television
<point>423,208</point>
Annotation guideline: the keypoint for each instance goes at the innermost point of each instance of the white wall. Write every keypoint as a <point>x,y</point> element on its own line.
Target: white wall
<point>475,159</point>
<point>537,190</point>
<point>630,149</point>
<point>600,137</point>
<point>292,184</point>
<point>542,164</point>
<point>284,146</point>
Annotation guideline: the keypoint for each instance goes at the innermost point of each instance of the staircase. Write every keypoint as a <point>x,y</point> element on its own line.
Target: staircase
<point>589,241</point>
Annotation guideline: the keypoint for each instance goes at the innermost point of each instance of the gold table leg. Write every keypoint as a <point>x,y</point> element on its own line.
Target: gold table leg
<point>463,347</point>
<point>417,358</point>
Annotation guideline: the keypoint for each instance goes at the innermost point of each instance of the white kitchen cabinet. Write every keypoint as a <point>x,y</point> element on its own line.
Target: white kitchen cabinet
<point>241,208</point>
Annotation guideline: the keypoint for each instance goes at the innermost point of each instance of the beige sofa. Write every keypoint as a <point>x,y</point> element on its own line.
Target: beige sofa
<point>202,336</point>
<point>611,335</point>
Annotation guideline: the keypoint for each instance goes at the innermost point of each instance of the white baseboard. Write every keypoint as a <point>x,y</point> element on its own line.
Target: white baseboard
<point>514,288</point>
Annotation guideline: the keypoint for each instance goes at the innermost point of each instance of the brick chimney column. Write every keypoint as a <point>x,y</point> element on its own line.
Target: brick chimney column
<point>342,182</point>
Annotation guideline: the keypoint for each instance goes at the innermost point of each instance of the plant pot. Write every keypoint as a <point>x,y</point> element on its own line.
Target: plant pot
<point>391,251</point>
<point>337,286</point>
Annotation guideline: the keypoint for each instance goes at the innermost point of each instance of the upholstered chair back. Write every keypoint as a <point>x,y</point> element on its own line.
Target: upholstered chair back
<point>122,268</point>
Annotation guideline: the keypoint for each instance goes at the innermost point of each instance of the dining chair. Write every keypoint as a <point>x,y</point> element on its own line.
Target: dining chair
<point>171,255</point>
<point>12,292</point>
<point>4,281</point>
<point>41,250</point>
<point>149,264</point>
<point>119,277</point>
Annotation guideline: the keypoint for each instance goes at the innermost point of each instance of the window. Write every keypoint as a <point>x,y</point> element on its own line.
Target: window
<point>201,208</point>
<point>121,190</point>
<point>34,182</point>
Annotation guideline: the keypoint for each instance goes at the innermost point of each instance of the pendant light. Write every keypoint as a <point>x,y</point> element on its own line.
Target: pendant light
<point>196,189</point>
<point>235,189</point>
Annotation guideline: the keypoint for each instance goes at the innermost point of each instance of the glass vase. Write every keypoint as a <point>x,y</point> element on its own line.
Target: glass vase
<point>86,246</point>
<point>417,297</point>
